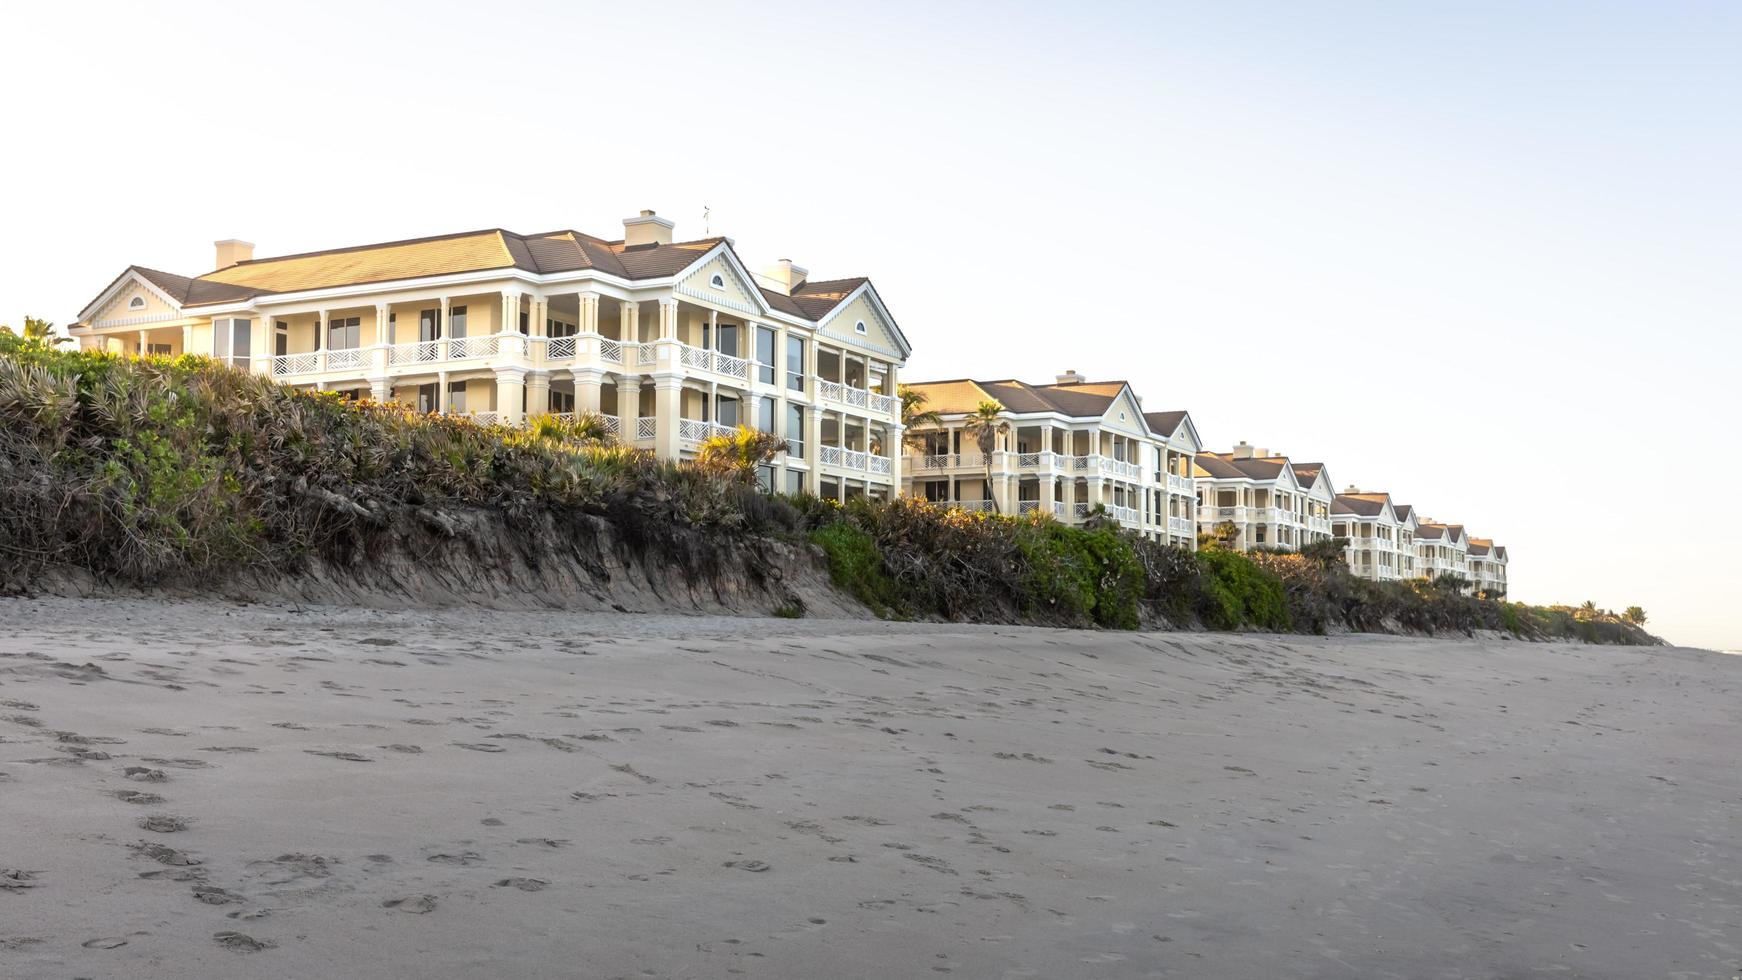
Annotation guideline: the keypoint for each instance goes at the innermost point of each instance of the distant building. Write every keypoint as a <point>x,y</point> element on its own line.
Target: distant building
<point>1064,449</point>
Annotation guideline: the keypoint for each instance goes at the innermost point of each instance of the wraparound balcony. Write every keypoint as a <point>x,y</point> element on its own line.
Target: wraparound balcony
<point>852,459</point>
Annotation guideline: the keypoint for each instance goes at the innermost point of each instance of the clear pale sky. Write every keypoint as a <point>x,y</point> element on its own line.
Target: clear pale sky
<point>1486,256</point>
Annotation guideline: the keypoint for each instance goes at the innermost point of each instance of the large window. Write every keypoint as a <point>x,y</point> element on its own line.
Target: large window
<point>795,482</point>
<point>765,355</point>
<point>344,333</point>
<point>562,401</point>
<point>728,411</point>
<point>557,328</point>
<point>795,363</point>
<point>795,430</point>
<point>232,341</point>
<point>765,414</point>
<point>456,397</point>
<point>428,398</point>
<point>429,326</point>
<point>457,321</point>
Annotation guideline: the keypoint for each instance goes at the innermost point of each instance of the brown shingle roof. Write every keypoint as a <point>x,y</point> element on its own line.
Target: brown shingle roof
<point>1088,400</point>
<point>1430,532</point>
<point>1402,511</point>
<point>1164,423</point>
<point>816,299</point>
<point>1362,504</point>
<point>470,251</point>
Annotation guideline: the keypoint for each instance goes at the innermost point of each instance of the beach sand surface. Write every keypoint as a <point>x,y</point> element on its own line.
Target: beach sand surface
<point>194,789</point>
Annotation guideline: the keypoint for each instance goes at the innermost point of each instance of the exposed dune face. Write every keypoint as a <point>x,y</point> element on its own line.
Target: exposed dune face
<point>209,790</point>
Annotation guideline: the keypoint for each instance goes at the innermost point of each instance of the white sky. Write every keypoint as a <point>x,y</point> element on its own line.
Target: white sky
<point>1483,255</point>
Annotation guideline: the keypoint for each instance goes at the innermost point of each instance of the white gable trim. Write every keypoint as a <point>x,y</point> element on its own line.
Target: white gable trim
<point>122,283</point>
<point>745,280</point>
<point>882,313</point>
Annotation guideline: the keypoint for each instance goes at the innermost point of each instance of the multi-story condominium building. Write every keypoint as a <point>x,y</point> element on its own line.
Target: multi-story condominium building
<point>1268,502</point>
<point>1487,564</point>
<point>1063,448</point>
<point>1369,521</point>
<point>1440,550</point>
<point>1315,509</point>
<point>1407,525</point>
<point>672,341</point>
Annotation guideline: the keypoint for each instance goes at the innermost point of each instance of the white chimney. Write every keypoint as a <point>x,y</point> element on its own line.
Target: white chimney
<point>1242,450</point>
<point>647,228</point>
<point>232,251</point>
<point>1070,377</point>
<point>784,277</point>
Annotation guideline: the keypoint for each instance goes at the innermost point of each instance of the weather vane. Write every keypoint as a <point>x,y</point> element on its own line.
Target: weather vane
<point>706,228</point>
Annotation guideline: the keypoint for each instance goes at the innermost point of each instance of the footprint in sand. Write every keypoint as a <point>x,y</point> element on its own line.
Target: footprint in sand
<point>164,854</point>
<point>756,866</point>
<point>524,884</point>
<point>414,904</point>
<point>241,942</point>
<point>134,796</point>
<point>213,895</point>
<point>159,823</point>
<point>141,774</point>
<point>464,859</point>
<point>407,749</point>
<point>480,747</point>
<point>16,880</point>
<point>343,756</point>
<point>106,942</point>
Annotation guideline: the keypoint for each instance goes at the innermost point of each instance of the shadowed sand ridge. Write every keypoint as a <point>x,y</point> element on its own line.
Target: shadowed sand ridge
<point>196,789</point>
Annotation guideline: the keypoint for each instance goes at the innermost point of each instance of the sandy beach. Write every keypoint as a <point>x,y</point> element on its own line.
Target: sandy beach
<point>215,790</point>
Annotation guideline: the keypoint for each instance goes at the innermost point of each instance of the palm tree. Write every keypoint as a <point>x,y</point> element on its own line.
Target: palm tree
<point>917,421</point>
<point>985,425</point>
<point>1634,615</point>
<point>39,333</point>
<point>738,454</point>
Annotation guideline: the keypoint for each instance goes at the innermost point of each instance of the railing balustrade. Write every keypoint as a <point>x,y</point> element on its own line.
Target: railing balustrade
<point>646,428</point>
<point>560,349</point>
<point>295,364</point>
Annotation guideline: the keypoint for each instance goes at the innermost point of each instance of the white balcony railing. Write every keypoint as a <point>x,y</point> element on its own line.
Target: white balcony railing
<point>886,404</point>
<point>346,358</point>
<point>285,364</point>
<point>971,506</point>
<point>1027,506</point>
<point>1179,484</point>
<point>421,352</point>
<point>881,465</point>
<point>485,418</point>
<point>1058,509</point>
<point>611,350</point>
<point>696,430</point>
<point>462,348</point>
<point>829,455</point>
<point>1031,461</point>
<point>939,461</point>
<point>1179,525</point>
<point>1082,509</point>
<point>560,349</point>
<point>852,459</point>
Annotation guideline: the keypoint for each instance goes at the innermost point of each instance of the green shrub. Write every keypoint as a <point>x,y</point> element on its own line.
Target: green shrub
<point>1238,593</point>
<point>856,566</point>
<point>1069,573</point>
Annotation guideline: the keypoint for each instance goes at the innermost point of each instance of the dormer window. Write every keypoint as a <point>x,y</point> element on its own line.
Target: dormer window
<point>860,327</point>
<point>718,281</point>
<point>136,303</point>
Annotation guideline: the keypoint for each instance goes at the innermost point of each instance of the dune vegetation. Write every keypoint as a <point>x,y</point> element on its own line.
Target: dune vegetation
<point>142,471</point>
